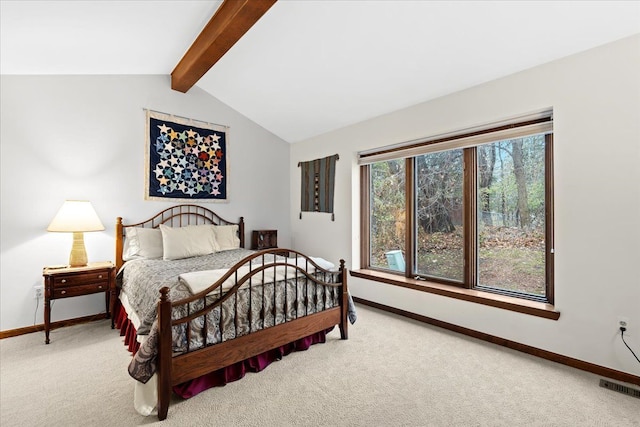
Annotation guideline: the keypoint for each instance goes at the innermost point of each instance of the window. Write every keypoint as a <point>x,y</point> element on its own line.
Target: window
<point>387,210</point>
<point>511,215</point>
<point>471,210</point>
<point>439,203</point>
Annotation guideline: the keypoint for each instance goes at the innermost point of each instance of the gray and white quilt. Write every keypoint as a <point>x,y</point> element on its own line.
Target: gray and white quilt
<point>254,307</point>
<point>141,280</point>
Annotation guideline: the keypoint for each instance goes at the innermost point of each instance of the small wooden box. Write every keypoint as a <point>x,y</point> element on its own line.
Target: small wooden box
<point>264,239</point>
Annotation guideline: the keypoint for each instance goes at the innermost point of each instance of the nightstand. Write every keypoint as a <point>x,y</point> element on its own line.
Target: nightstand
<point>69,282</point>
<point>266,239</point>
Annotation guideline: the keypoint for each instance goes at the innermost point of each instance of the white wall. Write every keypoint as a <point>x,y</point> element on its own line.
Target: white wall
<point>82,137</point>
<point>595,97</point>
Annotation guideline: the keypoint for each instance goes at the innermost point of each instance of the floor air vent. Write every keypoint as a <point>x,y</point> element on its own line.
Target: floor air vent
<point>620,388</point>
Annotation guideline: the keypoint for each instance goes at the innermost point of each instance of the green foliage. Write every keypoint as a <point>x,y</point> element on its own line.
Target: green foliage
<point>387,210</point>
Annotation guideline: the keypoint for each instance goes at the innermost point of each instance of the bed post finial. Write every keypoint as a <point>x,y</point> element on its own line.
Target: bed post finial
<point>164,294</point>
<point>341,264</point>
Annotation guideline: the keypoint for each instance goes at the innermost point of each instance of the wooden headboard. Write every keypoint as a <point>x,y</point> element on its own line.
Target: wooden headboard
<point>176,216</point>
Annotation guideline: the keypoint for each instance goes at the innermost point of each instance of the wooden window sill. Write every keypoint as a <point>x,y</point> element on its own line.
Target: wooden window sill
<point>480,297</point>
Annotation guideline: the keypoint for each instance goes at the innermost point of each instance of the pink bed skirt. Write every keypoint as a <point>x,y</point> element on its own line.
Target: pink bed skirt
<point>126,328</point>
<point>225,375</point>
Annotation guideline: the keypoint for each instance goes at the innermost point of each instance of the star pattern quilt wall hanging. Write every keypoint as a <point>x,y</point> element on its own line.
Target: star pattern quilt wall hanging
<point>186,159</point>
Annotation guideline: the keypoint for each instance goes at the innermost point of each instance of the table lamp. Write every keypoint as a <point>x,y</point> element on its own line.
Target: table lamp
<point>76,216</point>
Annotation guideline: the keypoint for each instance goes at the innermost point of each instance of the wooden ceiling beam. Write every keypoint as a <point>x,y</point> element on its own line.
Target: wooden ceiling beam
<point>230,22</point>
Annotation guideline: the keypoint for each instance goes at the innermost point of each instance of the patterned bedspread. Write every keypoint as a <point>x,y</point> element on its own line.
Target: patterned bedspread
<point>141,280</point>
<point>253,307</point>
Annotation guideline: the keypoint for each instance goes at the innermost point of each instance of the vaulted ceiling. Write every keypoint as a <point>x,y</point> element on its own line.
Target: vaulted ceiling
<point>308,67</point>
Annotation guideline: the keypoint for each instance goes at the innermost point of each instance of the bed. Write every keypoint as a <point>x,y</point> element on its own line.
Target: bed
<point>202,305</point>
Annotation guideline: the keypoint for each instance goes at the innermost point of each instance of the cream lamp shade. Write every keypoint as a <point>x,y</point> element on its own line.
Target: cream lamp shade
<point>76,216</point>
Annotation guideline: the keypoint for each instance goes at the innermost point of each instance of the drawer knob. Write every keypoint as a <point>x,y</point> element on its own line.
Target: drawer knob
<point>99,276</point>
<point>63,292</point>
<point>99,286</point>
<point>63,281</point>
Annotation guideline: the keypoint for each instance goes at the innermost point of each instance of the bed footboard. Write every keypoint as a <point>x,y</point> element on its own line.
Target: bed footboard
<point>263,302</point>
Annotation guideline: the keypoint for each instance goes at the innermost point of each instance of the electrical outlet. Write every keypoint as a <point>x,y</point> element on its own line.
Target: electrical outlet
<point>623,322</point>
<point>38,292</point>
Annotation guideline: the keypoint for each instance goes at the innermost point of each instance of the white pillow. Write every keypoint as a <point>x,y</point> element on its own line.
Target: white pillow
<point>186,242</point>
<point>227,237</point>
<point>143,243</point>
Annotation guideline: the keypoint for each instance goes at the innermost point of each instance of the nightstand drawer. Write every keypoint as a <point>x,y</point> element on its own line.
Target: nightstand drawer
<point>88,278</point>
<point>78,290</point>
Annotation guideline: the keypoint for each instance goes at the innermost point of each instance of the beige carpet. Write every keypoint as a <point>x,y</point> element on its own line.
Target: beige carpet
<point>391,372</point>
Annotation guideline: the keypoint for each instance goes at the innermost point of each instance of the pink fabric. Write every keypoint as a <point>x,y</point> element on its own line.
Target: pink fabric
<point>222,376</point>
<point>238,370</point>
<point>126,328</point>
